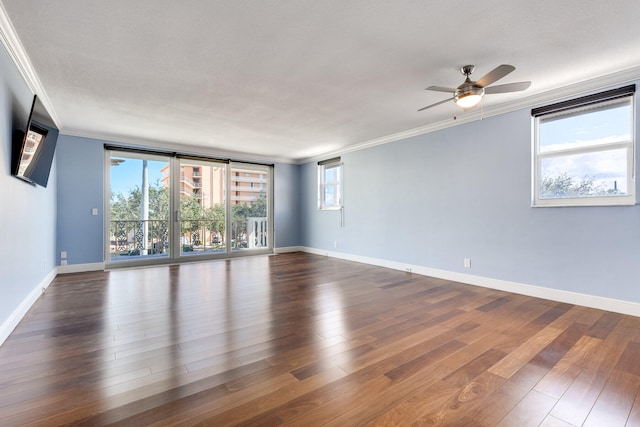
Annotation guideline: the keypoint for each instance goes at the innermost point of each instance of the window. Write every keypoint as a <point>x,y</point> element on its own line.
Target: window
<point>330,184</point>
<point>584,151</point>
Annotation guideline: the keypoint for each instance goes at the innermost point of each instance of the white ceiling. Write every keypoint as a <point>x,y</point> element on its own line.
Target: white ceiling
<point>293,79</point>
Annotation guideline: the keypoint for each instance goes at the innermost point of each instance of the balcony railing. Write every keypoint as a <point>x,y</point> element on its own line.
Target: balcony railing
<point>139,238</point>
<point>151,238</point>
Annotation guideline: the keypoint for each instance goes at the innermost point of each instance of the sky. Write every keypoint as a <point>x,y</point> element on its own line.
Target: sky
<point>128,174</point>
<point>586,129</point>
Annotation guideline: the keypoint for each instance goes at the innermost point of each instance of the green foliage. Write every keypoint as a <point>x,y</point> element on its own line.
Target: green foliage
<point>128,208</point>
<point>256,209</point>
<point>564,185</point>
<point>194,217</point>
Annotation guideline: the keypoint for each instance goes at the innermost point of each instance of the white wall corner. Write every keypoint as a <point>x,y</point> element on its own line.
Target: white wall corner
<point>593,301</point>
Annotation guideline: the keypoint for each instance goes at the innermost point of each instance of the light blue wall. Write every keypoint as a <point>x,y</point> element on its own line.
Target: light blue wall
<point>81,187</point>
<point>27,213</point>
<point>464,192</point>
<point>287,204</point>
<point>80,164</point>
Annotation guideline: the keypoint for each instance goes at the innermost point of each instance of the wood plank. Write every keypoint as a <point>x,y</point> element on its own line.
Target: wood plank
<point>563,373</point>
<point>576,403</point>
<point>630,358</point>
<point>615,401</point>
<point>530,411</point>
<point>495,406</point>
<point>515,360</point>
<point>468,397</point>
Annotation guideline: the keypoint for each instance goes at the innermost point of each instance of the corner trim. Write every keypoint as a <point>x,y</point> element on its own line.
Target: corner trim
<point>587,300</point>
<point>10,324</point>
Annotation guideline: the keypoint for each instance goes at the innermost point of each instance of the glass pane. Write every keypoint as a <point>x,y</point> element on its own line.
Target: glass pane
<point>249,195</point>
<point>329,196</point>
<point>601,173</point>
<point>202,207</point>
<point>601,126</point>
<point>331,174</point>
<point>139,207</point>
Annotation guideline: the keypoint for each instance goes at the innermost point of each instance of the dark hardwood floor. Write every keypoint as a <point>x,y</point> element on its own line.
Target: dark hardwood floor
<point>299,339</point>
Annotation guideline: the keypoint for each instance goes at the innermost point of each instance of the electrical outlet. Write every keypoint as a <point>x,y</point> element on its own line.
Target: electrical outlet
<point>94,211</point>
<point>63,254</point>
<point>63,262</point>
<point>467,263</point>
<point>335,243</point>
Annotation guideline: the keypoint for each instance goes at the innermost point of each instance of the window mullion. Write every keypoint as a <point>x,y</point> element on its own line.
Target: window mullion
<point>583,150</point>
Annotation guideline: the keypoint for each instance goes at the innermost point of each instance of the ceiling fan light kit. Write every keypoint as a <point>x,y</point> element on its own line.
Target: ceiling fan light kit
<point>468,99</point>
<point>470,93</point>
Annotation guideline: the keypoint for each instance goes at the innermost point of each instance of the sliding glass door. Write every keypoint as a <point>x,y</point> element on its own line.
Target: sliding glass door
<point>203,214</point>
<point>139,207</point>
<point>249,197</point>
<point>168,208</point>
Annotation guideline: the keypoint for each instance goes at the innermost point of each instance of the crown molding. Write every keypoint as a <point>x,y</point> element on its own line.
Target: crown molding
<point>19,57</point>
<point>194,150</point>
<point>554,95</point>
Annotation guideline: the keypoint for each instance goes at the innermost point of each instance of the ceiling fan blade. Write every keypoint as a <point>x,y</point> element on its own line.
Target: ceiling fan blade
<point>442,89</point>
<point>496,74</point>
<point>437,103</point>
<point>509,87</point>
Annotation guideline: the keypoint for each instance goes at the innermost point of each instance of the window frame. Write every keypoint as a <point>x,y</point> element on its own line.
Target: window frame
<point>572,108</point>
<point>338,184</point>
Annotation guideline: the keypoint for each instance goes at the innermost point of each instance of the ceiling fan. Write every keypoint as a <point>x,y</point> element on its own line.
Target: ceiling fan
<point>470,93</point>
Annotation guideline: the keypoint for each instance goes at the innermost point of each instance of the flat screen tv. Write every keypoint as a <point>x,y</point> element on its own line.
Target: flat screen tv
<point>34,146</point>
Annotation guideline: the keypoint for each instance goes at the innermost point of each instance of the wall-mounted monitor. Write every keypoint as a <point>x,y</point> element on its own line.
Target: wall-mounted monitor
<point>34,146</point>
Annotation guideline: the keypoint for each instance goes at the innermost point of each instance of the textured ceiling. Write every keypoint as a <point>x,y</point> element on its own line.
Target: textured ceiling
<point>294,79</point>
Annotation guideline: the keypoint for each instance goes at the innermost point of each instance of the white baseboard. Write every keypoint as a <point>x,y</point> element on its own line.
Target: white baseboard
<point>286,249</point>
<point>80,268</point>
<point>593,301</point>
<point>10,324</point>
